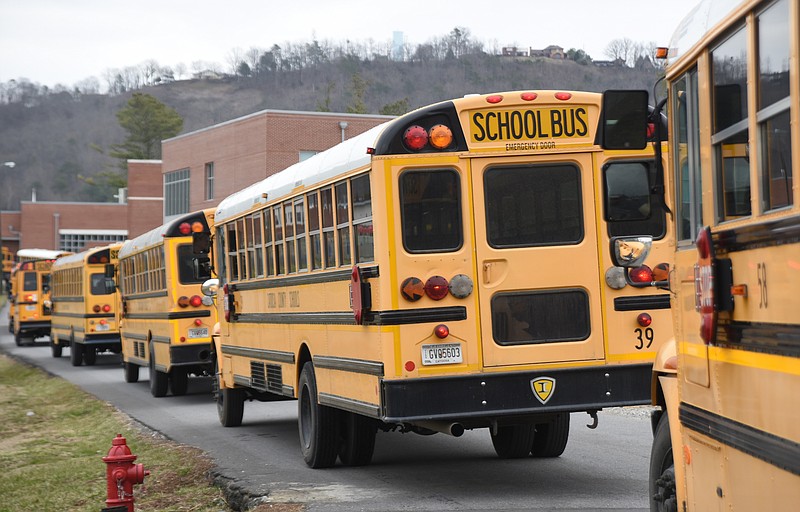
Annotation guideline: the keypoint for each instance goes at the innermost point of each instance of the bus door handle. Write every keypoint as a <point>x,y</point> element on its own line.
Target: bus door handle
<point>494,271</point>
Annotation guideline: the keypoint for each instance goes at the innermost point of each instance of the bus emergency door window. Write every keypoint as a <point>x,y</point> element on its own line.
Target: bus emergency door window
<point>531,205</point>
<point>540,317</point>
<point>430,203</point>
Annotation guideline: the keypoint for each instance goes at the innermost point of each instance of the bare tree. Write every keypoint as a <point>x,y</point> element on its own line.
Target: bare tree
<point>233,59</point>
<point>621,49</point>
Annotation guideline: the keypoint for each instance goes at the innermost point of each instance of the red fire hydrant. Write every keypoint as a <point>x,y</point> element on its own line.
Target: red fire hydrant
<point>122,474</point>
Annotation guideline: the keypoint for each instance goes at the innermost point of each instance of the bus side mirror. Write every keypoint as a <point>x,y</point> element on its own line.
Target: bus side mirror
<point>108,270</point>
<point>624,120</point>
<point>201,243</point>
<point>630,251</point>
<point>209,288</point>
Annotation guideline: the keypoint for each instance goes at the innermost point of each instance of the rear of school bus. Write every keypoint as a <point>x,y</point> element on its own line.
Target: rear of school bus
<point>30,300</point>
<point>510,314</point>
<point>166,321</point>
<point>480,296</point>
<point>86,307</point>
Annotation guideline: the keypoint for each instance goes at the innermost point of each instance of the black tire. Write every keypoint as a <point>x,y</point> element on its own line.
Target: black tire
<point>159,381</point>
<point>513,441</point>
<point>178,381</point>
<point>318,424</point>
<point>56,349</point>
<point>18,338</point>
<point>663,495</point>
<point>75,353</point>
<point>357,439</point>
<point>550,439</point>
<point>131,372</point>
<point>230,402</point>
<point>89,356</point>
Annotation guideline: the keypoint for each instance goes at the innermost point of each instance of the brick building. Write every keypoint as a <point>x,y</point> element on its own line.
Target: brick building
<point>197,171</point>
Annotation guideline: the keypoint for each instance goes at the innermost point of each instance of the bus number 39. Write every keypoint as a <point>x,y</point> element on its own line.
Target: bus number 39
<point>644,336</point>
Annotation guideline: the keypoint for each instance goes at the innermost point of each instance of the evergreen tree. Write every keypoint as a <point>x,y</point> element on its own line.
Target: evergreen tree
<point>148,122</point>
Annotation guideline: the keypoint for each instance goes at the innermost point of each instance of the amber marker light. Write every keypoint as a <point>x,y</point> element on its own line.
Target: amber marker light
<point>412,289</point>
<point>440,136</point>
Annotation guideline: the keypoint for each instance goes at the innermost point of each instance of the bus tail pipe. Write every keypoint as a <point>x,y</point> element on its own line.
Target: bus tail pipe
<point>453,429</point>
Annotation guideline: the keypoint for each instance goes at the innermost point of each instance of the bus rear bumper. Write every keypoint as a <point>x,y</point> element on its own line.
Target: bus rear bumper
<point>474,399</point>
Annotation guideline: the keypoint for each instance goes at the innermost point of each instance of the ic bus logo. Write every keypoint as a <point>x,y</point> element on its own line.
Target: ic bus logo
<point>543,388</point>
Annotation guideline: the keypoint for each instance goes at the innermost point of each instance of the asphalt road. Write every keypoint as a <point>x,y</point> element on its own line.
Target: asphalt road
<point>601,469</point>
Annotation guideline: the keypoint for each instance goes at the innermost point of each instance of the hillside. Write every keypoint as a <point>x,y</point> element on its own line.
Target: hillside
<point>53,138</point>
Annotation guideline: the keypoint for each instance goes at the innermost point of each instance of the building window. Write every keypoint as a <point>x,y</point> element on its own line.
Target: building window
<point>209,181</point>
<point>176,192</point>
<point>75,240</point>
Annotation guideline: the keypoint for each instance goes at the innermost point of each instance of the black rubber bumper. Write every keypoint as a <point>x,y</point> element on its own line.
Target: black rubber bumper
<point>492,395</point>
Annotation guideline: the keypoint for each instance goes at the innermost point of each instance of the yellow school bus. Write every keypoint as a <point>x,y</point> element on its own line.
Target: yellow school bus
<point>726,434</point>
<point>30,307</point>
<point>85,307</point>
<point>166,321</point>
<point>446,270</point>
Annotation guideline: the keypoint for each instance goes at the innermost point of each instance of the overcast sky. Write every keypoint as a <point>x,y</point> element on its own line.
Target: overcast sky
<point>66,41</point>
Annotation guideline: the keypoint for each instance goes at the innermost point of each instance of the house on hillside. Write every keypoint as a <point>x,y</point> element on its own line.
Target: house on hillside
<point>551,52</point>
<point>513,51</point>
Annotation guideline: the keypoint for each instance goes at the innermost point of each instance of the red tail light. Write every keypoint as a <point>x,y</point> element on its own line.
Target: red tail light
<point>96,308</point>
<point>196,301</point>
<point>436,287</point>
<point>106,308</point>
<point>184,228</point>
<point>641,274</point>
<point>415,137</point>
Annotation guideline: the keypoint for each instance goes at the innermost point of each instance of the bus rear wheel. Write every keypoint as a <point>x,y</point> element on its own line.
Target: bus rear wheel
<point>550,439</point>
<point>357,439</point>
<point>317,423</point>
<point>513,441</point>
<point>18,338</point>
<point>663,495</point>
<point>178,381</point>
<point>75,353</point>
<point>89,356</point>
<point>131,372</point>
<point>158,380</point>
<point>230,401</point>
<point>55,349</point>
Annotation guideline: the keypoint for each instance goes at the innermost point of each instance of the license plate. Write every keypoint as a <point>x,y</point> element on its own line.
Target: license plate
<point>102,327</point>
<point>30,307</point>
<point>441,353</point>
<point>201,332</point>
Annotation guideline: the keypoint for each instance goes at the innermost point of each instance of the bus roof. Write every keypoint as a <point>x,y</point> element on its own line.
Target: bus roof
<point>81,256</point>
<point>346,156</point>
<point>156,235</point>
<point>40,254</point>
<point>706,15</point>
